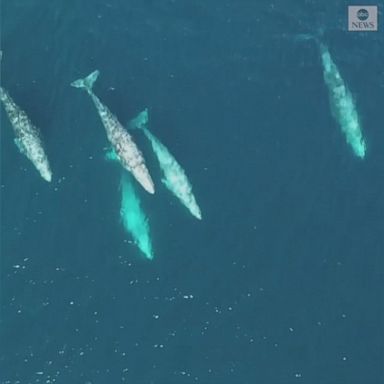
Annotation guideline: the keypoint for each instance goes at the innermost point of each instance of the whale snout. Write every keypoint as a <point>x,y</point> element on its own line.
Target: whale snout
<point>47,177</point>
<point>46,174</point>
<point>150,188</point>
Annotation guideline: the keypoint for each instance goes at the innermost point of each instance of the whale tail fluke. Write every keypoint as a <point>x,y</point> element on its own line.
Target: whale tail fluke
<point>303,37</point>
<point>140,121</point>
<point>87,82</point>
<point>316,36</point>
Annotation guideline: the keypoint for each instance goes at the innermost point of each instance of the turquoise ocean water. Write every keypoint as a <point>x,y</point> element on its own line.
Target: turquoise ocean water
<point>282,280</point>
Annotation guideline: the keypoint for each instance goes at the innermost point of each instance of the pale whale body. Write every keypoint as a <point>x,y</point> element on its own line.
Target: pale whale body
<point>175,178</point>
<point>126,150</point>
<point>27,136</point>
<point>342,104</point>
<point>132,215</point>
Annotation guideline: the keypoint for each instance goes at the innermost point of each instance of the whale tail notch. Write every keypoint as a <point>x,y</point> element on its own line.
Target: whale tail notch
<point>86,82</point>
<point>140,121</point>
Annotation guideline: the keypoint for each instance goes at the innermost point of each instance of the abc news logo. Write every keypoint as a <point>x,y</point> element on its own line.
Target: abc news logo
<point>362,18</point>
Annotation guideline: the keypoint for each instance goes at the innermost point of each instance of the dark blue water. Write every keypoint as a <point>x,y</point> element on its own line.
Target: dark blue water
<point>282,281</point>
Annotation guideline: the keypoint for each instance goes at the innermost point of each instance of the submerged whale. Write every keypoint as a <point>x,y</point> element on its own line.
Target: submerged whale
<point>342,104</point>
<point>132,215</point>
<point>126,150</point>
<point>175,178</point>
<point>28,138</point>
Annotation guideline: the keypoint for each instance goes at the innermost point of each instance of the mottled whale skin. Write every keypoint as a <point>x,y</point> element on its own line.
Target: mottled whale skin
<point>175,178</point>
<point>342,104</point>
<point>126,150</point>
<point>28,138</point>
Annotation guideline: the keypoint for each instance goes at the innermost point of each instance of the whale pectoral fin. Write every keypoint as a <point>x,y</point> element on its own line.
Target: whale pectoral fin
<point>110,154</point>
<point>20,145</point>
